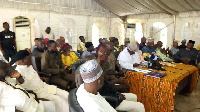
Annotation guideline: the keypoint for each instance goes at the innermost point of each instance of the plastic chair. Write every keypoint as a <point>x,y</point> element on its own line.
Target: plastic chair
<point>74,106</point>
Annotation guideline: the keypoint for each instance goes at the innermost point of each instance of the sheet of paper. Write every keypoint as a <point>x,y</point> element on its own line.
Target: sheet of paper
<point>142,71</point>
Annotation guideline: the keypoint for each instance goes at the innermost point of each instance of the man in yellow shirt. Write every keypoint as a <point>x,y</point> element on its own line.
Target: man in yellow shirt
<point>68,57</point>
<point>81,46</point>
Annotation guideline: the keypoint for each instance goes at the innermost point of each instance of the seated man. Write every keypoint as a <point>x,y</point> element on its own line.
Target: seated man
<point>140,52</point>
<point>112,61</point>
<point>159,46</point>
<point>81,46</point>
<point>161,52</point>
<point>62,40</point>
<point>33,82</point>
<point>109,70</point>
<point>126,101</point>
<point>39,50</point>
<point>36,43</point>
<point>116,44</point>
<point>12,97</point>
<point>90,49</point>
<point>174,48</point>
<point>58,44</point>
<point>93,79</point>
<point>129,57</point>
<point>186,56</point>
<point>143,43</point>
<point>100,42</point>
<point>68,57</point>
<point>182,46</point>
<point>51,62</point>
<point>150,47</point>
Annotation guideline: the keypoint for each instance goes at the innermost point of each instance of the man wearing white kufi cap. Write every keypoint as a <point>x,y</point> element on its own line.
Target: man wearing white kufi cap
<point>88,97</point>
<point>129,57</point>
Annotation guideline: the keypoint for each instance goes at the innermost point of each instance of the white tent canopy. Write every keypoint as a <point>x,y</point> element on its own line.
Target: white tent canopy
<point>130,7</point>
<point>78,17</point>
<point>77,7</point>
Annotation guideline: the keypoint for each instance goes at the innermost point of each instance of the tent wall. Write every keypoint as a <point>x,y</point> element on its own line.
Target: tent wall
<point>61,23</point>
<point>192,31</point>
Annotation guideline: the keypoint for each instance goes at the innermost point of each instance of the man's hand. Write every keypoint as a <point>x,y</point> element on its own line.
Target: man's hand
<point>20,80</point>
<point>122,97</point>
<point>183,59</point>
<point>15,74</point>
<point>2,52</point>
<point>65,67</point>
<point>62,70</point>
<point>136,65</point>
<point>187,60</point>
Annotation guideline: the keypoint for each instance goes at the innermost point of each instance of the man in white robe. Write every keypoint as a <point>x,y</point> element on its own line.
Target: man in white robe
<point>12,97</point>
<point>33,82</point>
<point>129,57</point>
<point>87,94</point>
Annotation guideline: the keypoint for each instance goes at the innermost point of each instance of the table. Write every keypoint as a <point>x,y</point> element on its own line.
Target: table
<point>158,95</point>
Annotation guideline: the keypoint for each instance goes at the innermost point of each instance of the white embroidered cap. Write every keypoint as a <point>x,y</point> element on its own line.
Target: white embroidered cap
<point>132,47</point>
<point>90,71</point>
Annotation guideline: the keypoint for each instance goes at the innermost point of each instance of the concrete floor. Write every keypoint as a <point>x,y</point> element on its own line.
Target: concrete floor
<point>188,102</point>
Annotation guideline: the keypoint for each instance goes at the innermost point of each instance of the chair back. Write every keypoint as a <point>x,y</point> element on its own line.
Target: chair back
<point>78,78</point>
<point>74,106</point>
<point>76,65</point>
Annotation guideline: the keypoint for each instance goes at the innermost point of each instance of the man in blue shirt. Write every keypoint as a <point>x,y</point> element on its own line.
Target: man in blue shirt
<point>90,49</point>
<point>150,47</point>
<point>143,43</point>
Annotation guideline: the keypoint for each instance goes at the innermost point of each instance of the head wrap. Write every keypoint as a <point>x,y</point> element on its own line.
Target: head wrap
<point>64,46</point>
<point>88,44</point>
<point>90,71</point>
<point>132,47</point>
<point>19,56</point>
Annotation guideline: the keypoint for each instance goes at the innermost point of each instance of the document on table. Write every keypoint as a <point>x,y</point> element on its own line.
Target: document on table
<point>140,70</point>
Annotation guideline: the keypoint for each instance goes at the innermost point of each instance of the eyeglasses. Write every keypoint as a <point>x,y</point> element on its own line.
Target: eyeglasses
<point>103,53</point>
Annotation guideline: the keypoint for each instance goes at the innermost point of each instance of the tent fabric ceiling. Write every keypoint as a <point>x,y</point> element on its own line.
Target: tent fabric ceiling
<point>132,7</point>
<point>77,7</point>
<point>106,8</point>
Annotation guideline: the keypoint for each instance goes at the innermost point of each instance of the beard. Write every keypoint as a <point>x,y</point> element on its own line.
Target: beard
<point>54,52</point>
